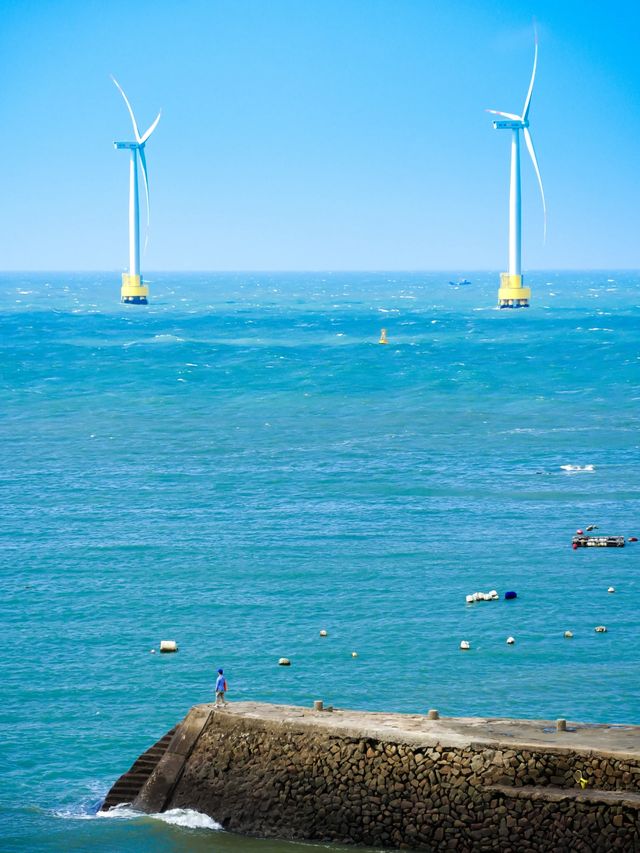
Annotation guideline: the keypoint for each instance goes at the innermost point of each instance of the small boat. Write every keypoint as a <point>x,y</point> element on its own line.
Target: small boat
<point>459,283</point>
<point>582,541</point>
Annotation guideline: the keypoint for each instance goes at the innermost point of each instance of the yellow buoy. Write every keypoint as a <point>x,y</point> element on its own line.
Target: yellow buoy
<point>383,337</point>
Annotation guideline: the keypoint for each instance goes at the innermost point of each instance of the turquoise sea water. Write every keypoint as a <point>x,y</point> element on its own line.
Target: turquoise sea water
<point>240,464</point>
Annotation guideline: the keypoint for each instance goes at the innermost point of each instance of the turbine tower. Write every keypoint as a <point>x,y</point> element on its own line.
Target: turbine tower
<point>133,290</point>
<point>511,293</point>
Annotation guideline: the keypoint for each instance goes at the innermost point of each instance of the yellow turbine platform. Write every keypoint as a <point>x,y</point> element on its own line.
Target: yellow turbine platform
<point>133,291</point>
<point>512,294</point>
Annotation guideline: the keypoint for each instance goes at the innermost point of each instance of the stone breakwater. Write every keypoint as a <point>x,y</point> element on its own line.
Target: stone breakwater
<point>396,780</point>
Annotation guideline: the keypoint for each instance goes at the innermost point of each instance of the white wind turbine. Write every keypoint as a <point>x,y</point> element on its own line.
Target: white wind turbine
<point>133,290</point>
<point>512,294</point>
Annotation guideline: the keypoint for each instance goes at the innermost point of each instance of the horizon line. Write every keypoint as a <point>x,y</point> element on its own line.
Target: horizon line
<point>327,271</point>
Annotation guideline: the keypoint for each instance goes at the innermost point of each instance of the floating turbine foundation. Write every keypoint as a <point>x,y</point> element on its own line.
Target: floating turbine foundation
<point>512,294</point>
<point>133,291</point>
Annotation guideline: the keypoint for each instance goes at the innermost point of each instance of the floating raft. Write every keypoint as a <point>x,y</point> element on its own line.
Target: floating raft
<point>599,541</point>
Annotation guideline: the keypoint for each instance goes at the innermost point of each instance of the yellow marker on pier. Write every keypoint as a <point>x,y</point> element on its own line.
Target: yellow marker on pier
<point>383,337</point>
<point>580,780</point>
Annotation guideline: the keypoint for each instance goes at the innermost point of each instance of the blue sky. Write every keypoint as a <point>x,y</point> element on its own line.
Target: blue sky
<point>318,134</point>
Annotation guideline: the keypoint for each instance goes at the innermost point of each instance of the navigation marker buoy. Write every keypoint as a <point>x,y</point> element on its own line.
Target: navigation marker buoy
<point>383,337</point>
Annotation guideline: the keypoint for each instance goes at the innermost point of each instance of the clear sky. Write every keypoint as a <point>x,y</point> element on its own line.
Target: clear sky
<point>318,134</point>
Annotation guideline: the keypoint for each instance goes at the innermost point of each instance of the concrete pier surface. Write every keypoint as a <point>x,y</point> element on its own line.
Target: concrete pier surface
<point>397,780</point>
<point>454,732</point>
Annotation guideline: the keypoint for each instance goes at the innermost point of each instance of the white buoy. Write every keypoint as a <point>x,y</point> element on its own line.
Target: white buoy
<point>152,651</point>
<point>284,662</point>
<point>323,633</point>
<point>354,654</point>
<point>601,629</point>
<point>568,634</point>
<point>611,589</point>
<point>482,596</point>
<point>465,644</point>
<point>168,646</point>
<point>510,641</point>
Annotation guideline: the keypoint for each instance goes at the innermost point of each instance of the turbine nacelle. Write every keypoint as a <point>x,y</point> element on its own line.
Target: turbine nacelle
<point>128,145</point>
<point>510,125</point>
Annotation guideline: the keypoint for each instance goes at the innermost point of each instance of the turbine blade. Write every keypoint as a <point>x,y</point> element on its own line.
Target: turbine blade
<point>527,103</point>
<point>126,100</point>
<point>512,116</point>
<point>529,142</point>
<point>148,132</point>
<point>145,178</point>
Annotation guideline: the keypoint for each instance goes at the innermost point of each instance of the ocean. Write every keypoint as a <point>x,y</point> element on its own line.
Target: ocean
<point>240,464</point>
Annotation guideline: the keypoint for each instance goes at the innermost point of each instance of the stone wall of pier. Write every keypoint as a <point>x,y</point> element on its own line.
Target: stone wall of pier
<point>260,777</point>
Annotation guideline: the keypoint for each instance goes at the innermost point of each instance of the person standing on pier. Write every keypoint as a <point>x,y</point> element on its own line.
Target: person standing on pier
<point>221,688</point>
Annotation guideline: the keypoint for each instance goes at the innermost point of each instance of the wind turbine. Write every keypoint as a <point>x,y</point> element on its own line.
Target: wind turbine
<point>133,290</point>
<point>512,294</point>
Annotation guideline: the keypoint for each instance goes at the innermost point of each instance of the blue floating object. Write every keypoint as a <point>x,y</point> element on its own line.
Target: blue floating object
<point>510,594</point>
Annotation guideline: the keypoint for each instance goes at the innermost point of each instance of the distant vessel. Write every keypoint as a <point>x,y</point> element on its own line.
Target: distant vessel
<point>459,283</point>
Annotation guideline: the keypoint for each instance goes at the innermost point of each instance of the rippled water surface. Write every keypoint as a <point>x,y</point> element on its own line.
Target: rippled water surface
<point>240,464</point>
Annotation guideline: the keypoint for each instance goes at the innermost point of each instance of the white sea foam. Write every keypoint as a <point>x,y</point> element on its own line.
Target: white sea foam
<point>167,338</point>
<point>188,818</point>
<point>574,468</point>
<point>156,339</point>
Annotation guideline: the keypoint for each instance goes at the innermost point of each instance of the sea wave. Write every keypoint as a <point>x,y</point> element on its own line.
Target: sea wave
<point>188,818</point>
<point>89,809</point>
<point>156,339</point>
